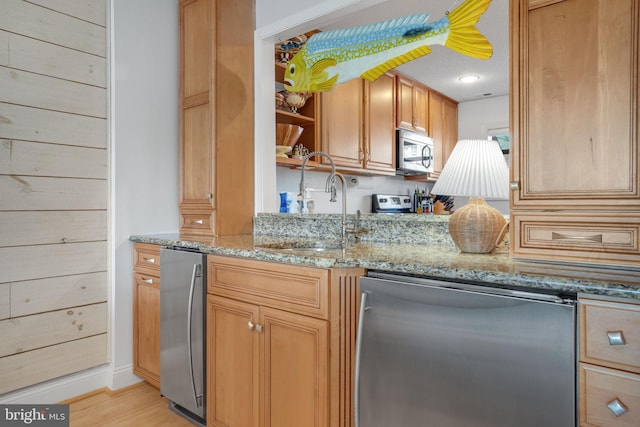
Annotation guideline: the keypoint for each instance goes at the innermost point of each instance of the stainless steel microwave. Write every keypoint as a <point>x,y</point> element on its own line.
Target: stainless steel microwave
<point>414,153</point>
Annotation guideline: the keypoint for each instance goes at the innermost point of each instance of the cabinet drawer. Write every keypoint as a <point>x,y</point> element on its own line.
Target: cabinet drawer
<point>603,238</point>
<point>297,289</point>
<point>603,391</point>
<point>148,279</point>
<point>146,257</point>
<point>198,223</point>
<point>610,334</point>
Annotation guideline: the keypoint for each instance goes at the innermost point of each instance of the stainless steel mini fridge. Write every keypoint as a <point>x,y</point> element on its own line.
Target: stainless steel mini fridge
<point>182,332</point>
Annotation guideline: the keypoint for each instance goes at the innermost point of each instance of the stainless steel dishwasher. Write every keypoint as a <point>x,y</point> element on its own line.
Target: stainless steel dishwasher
<point>439,354</point>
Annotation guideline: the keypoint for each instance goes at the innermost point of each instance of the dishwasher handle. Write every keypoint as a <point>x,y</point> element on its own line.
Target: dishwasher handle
<point>356,373</point>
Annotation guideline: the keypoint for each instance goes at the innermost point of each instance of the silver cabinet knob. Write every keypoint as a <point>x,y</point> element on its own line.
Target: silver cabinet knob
<point>616,338</point>
<point>259,327</point>
<point>617,407</point>
<point>250,325</point>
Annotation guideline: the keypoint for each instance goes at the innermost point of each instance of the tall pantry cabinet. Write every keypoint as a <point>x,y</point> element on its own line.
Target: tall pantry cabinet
<point>575,158</point>
<point>216,117</point>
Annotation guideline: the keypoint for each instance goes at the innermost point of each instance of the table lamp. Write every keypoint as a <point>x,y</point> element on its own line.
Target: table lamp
<point>477,169</point>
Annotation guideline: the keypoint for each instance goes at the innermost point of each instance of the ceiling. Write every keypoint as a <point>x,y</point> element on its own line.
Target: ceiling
<point>441,68</point>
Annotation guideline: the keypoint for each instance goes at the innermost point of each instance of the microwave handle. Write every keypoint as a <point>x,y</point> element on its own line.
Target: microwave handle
<point>429,157</point>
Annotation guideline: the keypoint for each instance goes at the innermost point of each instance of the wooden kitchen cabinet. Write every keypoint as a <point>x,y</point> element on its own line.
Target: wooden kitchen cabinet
<point>575,116</point>
<point>279,344</point>
<point>412,105</point>
<point>216,119</point>
<point>358,125</point>
<point>343,124</point>
<point>380,119</point>
<point>609,374</point>
<point>443,128</point>
<point>146,312</point>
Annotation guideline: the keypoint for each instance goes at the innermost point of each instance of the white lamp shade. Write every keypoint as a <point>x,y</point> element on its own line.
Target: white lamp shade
<point>476,168</point>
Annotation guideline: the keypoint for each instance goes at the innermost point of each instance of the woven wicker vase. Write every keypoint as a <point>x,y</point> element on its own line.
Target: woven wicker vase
<point>476,227</point>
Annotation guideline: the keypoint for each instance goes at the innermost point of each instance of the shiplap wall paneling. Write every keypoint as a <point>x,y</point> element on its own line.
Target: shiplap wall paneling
<point>49,227</point>
<point>51,60</point>
<point>38,296</point>
<point>52,160</point>
<point>41,261</point>
<point>37,193</point>
<point>33,332</point>
<point>53,24</point>
<point>33,124</point>
<point>31,367</point>
<point>54,171</point>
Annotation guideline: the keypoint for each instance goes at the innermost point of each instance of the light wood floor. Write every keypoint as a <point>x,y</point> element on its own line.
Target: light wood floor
<point>137,406</point>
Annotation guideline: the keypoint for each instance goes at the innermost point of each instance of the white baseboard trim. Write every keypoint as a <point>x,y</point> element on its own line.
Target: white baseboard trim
<point>122,377</point>
<point>73,385</point>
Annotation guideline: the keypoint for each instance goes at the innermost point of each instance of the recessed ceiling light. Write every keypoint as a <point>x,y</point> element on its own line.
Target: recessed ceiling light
<point>469,78</point>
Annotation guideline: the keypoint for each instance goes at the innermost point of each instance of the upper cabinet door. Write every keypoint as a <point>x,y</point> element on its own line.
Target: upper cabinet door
<point>342,116</point>
<point>380,120</point>
<point>412,105</point>
<point>575,102</point>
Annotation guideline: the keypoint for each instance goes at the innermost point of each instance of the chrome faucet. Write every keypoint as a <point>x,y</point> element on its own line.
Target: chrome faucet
<point>330,187</point>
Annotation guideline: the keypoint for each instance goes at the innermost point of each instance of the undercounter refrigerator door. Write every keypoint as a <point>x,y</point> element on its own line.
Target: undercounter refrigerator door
<point>430,354</point>
<point>182,338</point>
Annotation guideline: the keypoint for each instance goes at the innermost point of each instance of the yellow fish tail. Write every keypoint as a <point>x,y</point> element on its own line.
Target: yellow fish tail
<point>375,72</point>
<point>464,37</point>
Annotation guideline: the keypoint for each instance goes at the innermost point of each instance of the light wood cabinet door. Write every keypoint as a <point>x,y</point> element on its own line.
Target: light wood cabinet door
<point>342,124</point>
<point>196,149</point>
<point>420,108</point>
<point>380,120</point>
<point>215,116</point>
<point>146,312</point>
<point>295,369</point>
<point>146,328</point>
<point>576,124</point>
<point>574,127</point>
<point>443,128</point>
<point>265,367</point>
<point>232,363</point>
<point>412,105</point>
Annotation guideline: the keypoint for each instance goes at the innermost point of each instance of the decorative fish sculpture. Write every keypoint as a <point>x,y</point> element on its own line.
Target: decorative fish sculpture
<point>333,57</point>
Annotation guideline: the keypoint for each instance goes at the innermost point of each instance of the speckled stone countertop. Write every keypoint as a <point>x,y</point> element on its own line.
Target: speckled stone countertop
<point>429,254</point>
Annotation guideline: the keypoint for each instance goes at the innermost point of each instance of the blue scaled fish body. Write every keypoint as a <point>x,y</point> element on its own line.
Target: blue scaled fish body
<point>333,57</point>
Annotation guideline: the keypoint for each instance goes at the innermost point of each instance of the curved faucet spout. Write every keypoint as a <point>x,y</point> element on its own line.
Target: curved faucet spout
<point>330,181</point>
<point>330,187</point>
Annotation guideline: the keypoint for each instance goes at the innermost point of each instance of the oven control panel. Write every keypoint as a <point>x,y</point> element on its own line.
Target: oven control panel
<point>390,203</point>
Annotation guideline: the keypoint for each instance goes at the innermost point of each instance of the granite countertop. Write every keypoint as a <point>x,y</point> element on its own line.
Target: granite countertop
<point>438,259</point>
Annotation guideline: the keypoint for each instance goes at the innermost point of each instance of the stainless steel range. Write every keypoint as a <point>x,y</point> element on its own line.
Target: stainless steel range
<point>391,203</point>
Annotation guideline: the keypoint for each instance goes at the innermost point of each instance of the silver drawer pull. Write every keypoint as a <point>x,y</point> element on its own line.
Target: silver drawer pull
<point>616,338</point>
<point>150,260</point>
<point>149,281</point>
<point>597,238</point>
<point>617,407</point>
<point>196,221</point>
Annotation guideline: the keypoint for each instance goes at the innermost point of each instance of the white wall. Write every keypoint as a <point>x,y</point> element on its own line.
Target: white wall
<point>144,149</point>
<point>475,118</point>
